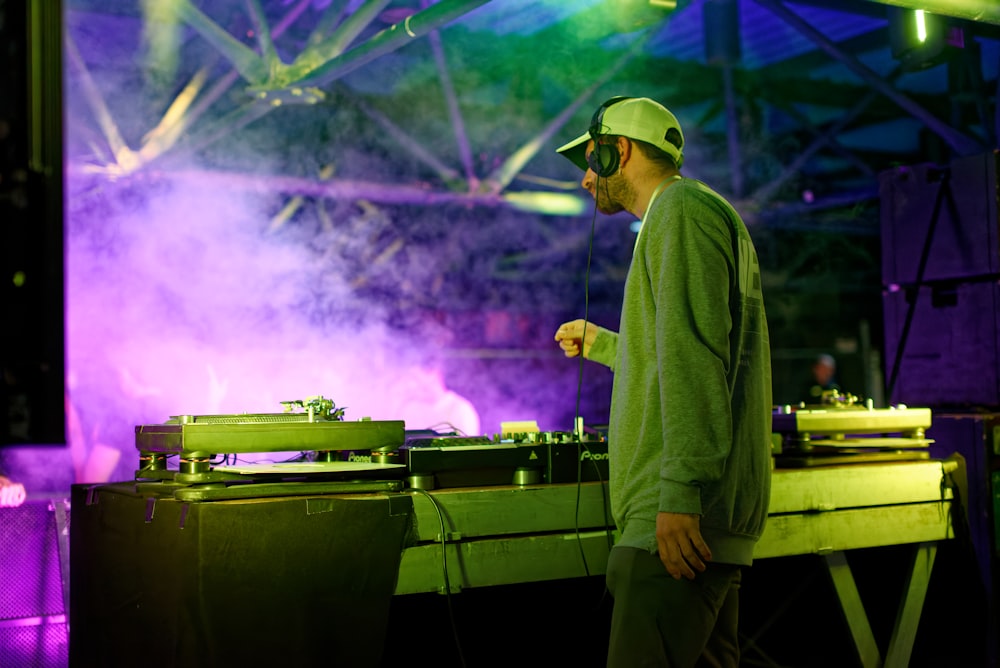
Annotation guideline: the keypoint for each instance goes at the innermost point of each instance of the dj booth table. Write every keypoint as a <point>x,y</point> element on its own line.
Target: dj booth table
<point>506,535</point>
<point>307,577</point>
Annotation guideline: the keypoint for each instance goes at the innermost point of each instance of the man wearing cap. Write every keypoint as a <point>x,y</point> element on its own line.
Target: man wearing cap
<point>690,421</point>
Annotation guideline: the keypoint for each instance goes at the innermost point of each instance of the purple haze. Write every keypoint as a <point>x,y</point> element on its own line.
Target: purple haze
<point>180,299</point>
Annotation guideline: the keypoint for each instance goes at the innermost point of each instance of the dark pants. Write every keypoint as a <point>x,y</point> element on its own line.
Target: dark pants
<point>659,621</point>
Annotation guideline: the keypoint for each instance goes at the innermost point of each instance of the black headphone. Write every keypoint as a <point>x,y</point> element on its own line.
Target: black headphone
<point>605,158</point>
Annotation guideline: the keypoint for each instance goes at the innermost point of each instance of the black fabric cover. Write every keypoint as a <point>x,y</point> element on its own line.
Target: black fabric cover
<point>289,581</point>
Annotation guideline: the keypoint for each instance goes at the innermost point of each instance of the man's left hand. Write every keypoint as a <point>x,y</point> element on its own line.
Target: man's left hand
<point>682,549</point>
<point>12,494</point>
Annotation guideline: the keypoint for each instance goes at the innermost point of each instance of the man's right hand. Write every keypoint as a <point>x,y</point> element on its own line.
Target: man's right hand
<point>571,334</point>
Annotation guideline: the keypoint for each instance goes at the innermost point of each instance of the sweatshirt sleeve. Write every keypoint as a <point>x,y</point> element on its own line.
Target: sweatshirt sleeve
<point>605,348</point>
<point>690,264</point>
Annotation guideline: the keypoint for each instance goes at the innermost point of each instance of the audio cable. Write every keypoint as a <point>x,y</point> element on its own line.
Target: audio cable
<point>444,569</point>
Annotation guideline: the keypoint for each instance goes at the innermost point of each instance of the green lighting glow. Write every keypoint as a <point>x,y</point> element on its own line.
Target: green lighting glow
<point>553,204</point>
<point>921,26</point>
<point>19,279</point>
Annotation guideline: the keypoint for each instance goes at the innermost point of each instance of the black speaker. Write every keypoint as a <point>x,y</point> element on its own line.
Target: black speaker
<point>605,158</point>
<point>33,560</point>
<point>32,356</point>
<point>949,353</point>
<point>941,276</point>
<point>270,581</point>
<point>976,437</point>
<point>940,223</point>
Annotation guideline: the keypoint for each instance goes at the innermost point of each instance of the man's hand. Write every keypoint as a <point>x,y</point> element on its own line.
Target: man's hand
<point>11,493</point>
<point>681,547</point>
<point>571,334</point>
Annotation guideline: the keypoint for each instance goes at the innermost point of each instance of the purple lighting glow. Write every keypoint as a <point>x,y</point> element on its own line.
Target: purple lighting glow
<point>33,629</point>
<point>37,643</point>
<point>180,304</point>
<point>208,271</point>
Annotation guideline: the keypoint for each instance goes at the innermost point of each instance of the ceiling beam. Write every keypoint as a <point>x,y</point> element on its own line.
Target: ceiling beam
<point>961,143</point>
<point>767,192</point>
<point>985,11</point>
<point>390,39</point>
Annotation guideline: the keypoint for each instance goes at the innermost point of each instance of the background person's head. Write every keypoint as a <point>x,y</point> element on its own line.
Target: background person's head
<point>824,369</point>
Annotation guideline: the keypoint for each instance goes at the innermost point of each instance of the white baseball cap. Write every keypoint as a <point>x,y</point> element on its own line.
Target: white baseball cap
<point>633,117</point>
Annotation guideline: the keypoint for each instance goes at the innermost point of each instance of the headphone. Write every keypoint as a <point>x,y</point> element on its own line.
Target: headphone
<point>605,158</point>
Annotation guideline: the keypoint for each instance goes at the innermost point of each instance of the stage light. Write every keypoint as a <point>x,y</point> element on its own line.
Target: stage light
<point>920,40</point>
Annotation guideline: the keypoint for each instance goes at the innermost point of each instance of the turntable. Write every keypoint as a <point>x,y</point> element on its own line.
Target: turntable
<point>314,427</point>
<point>846,432</point>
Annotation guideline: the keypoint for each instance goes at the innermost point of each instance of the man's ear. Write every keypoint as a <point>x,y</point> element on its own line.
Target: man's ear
<point>625,147</point>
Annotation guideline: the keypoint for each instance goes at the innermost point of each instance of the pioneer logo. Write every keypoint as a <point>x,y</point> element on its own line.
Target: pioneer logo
<point>596,456</point>
<point>366,459</point>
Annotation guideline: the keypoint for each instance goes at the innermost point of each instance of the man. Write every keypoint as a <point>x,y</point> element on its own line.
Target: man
<point>690,422</point>
<point>822,380</point>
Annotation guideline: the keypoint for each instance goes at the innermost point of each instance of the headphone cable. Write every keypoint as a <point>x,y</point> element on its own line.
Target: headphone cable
<point>578,419</point>
<point>577,422</point>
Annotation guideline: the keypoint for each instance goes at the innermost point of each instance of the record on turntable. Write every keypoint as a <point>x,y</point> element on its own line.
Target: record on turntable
<point>849,433</point>
<point>311,425</point>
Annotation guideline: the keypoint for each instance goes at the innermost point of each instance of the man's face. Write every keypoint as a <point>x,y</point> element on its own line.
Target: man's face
<point>611,192</point>
<point>822,372</point>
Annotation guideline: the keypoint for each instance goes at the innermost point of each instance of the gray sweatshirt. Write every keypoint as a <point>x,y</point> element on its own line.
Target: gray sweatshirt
<point>690,421</point>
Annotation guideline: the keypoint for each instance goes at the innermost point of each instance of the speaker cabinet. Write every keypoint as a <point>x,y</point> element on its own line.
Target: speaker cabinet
<point>951,351</point>
<point>270,581</point>
<point>33,555</point>
<point>32,353</point>
<point>975,436</point>
<point>965,240</point>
